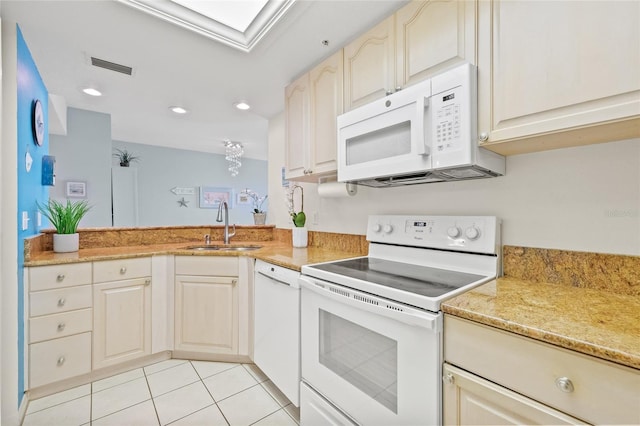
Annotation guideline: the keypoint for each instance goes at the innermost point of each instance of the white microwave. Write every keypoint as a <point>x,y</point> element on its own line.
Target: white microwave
<point>422,134</point>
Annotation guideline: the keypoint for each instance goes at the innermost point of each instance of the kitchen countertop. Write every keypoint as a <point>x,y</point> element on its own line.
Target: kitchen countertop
<point>590,321</point>
<point>276,252</point>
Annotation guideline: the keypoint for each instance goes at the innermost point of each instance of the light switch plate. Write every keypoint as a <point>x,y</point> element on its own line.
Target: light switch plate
<point>25,221</point>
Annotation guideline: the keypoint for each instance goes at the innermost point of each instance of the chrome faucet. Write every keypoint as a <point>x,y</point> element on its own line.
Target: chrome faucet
<point>227,235</point>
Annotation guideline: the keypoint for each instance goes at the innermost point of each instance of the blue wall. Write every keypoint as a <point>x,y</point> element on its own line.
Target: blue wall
<point>30,189</point>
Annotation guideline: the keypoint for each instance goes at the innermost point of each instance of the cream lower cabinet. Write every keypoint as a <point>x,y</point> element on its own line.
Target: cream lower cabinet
<point>496,377</point>
<point>557,74</point>
<point>207,308</point>
<point>59,327</point>
<point>122,311</point>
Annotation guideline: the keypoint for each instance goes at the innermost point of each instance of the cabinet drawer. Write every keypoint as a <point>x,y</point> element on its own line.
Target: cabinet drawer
<point>599,391</point>
<point>59,325</point>
<point>215,266</point>
<point>60,300</point>
<point>58,276</point>
<point>122,269</point>
<point>59,359</point>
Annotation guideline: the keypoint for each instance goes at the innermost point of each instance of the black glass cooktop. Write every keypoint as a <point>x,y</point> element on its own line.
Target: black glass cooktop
<point>422,280</point>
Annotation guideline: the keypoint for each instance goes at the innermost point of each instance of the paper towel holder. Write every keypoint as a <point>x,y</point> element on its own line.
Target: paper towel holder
<point>332,188</point>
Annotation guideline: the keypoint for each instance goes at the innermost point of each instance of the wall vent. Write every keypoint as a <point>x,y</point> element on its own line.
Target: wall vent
<point>111,66</point>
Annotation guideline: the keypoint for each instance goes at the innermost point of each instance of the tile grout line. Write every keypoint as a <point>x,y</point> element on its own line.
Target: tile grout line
<point>155,409</point>
<point>207,389</point>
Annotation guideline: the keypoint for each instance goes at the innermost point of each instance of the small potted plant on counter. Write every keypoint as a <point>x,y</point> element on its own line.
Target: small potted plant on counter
<point>300,235</point>
<point>259,214</point>
<point>125,157</point>
<point>65,219</point>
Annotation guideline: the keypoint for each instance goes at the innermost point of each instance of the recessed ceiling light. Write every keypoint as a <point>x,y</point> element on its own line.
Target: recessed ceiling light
<point>178,109</point>
<point>92,92</point>
<point>242,105</point>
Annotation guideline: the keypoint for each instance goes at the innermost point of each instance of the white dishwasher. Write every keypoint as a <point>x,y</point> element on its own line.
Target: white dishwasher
<point>277,327</point>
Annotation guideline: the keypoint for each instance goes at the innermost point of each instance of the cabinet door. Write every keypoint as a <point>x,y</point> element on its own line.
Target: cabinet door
<point>556,74</point>
<point>471,400</point>
<point>206,315</point>
<point>369,65</point>
<point>122,321</point>
<point>432,36</point>
<point>326,104</point>
<point>297,127</point>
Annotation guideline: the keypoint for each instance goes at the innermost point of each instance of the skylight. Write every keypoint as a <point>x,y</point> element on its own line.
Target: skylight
<point>237,23</point>
<point>235,14</point>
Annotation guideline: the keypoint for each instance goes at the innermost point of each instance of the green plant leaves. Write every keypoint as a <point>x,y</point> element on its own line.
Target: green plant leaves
<point>64,217</point>
<point>299,219</point>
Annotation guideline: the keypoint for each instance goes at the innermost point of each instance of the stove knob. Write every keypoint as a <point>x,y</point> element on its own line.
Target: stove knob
<point>472,233</point>
<point>377,228</point>
<point>387,229</point>
<point>453,232</point>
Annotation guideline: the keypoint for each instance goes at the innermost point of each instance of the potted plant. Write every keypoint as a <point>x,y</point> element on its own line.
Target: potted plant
<point>65,219</point>
<point>125,157</point>
<point>259,215</point>
<point>300,235</point>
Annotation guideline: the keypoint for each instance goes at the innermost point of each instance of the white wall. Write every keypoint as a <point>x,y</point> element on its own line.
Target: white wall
<point>583,199</point>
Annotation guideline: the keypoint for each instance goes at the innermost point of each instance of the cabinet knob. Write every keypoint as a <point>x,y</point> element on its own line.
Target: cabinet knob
<point>484,136</point>
<point>61,301</point>
<point>147,281</point>
<point>234,282</point>
<point>449,379</point>
<point>61,361</point>
<point>60,277</point>
<point>123,270</point>
<point>61,326</point>
<point>564,384</point>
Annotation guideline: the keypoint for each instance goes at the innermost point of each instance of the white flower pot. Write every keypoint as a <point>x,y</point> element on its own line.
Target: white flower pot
<point>259,218</point>
<point>300,236</point>
<point>66,243</point>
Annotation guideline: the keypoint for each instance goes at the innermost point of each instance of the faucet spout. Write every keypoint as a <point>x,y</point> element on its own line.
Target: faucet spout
<point>227,236</point>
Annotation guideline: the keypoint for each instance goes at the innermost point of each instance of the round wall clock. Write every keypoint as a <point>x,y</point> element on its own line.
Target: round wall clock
<point>38,123</point>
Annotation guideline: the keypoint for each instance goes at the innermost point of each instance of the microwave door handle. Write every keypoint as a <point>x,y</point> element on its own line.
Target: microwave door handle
<point>422,148</point>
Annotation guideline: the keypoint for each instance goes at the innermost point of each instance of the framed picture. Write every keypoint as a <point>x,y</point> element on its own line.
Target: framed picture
<point>243,198</point>
<point>210,197</point>
<point>76,189</point>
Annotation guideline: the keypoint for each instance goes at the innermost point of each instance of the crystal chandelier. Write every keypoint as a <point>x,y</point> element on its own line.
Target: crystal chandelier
<point>233,151</point>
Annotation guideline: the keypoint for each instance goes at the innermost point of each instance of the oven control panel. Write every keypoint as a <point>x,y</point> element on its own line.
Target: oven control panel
<point>480,234</point>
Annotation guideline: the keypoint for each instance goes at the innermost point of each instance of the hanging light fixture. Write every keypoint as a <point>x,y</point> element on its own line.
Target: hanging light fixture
<point>233,151</point>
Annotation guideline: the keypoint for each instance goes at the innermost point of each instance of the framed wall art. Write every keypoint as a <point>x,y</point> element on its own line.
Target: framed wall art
<point>210,197</point>
<point>76,189</point>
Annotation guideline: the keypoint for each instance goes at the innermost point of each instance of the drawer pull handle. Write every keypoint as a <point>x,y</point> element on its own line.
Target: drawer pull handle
<point>147,281</point>
<point>449,379</point>
<point>564,384</point>
<point>234,282</point>
<point>61,326</point>
<point>60,277</point>
<point>61,361</point>
<point>61,301</point>
<point>123,270</point>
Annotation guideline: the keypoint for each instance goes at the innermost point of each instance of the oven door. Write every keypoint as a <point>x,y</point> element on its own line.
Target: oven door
<point>377,361</point>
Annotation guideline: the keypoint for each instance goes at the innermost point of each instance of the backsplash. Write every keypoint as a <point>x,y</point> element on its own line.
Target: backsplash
<point>614,273</point>
<point>328,240</point>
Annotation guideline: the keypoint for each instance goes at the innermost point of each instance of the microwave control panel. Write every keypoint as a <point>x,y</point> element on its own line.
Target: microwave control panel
<point>447,124</point>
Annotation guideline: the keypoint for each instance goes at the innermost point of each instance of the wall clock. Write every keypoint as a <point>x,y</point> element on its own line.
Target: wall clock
<point>38,123</point>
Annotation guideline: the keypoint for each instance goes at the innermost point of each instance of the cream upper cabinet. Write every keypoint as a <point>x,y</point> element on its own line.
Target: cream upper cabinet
<point>369,65</point>
<point>312,104</point>
<point>432,36</point>
<point>557,74</point>
<point>122,311</point>
<point>508,372</point>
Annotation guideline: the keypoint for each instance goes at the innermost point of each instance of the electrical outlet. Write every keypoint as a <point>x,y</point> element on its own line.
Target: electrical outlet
<point>39,218</point>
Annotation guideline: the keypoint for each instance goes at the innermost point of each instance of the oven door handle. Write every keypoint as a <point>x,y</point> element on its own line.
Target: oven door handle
<point>408,315</point>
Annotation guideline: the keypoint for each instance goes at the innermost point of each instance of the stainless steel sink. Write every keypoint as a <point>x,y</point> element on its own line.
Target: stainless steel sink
<point>223,248</point>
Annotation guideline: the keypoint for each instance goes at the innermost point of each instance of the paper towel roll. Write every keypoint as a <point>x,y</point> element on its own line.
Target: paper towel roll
<point>337,189</point>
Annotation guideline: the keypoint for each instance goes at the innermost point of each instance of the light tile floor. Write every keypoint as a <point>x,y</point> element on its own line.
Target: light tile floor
<point>175,392</point>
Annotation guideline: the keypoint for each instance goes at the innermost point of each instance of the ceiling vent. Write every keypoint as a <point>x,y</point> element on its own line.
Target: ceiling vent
<point>111,66</point>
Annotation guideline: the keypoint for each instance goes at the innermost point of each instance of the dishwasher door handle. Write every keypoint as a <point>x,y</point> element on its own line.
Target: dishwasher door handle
<point>293,285</point>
